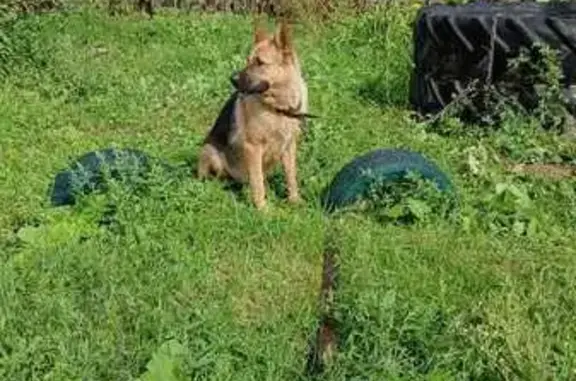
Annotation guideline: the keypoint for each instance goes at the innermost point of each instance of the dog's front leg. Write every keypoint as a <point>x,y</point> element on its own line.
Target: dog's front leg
<point>289,164</point>
<point>253,164</point>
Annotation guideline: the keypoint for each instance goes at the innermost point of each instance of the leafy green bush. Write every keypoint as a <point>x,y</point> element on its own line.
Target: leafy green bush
<point>406,201</point>
<point>20,46</point>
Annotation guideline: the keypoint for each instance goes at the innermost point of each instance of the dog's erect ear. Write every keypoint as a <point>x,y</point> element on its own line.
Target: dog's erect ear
<point>283,36</point>
<point>260,33</point>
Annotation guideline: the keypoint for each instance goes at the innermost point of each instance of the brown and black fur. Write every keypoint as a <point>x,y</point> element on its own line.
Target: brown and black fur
<point>260,124</point>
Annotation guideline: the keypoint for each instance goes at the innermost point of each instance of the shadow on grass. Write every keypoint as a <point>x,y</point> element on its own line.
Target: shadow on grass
<point>375,91</point>
<point>276,182</point>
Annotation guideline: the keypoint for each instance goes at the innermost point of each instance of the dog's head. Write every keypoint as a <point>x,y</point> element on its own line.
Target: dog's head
<point>269,64</point>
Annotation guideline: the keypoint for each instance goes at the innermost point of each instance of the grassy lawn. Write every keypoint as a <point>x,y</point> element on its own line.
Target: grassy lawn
<point>193,273</point>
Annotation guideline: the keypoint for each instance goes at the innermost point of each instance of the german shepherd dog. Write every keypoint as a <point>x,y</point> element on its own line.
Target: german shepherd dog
<point>260,124</point>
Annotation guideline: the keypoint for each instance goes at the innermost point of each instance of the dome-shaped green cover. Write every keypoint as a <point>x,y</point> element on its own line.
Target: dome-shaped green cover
<point>388,165</point>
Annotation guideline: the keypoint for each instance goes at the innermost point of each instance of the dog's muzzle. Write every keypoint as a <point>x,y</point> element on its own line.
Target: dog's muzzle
<point>242,83</point>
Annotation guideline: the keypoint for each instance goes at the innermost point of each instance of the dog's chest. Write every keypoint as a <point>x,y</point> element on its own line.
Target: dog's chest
<point>276,135</point>
<point>259,126</point>
<point>280,134</point>
<point>273,132</point>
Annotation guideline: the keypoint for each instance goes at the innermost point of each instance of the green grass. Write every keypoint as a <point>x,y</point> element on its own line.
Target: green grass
<point>490,296</point>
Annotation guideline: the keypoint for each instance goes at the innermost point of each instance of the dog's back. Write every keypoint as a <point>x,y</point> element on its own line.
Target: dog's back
<point>225,124</point>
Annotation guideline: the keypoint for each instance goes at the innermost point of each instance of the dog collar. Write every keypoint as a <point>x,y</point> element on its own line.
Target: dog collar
<point>295,114</point>
<point>292,113</point>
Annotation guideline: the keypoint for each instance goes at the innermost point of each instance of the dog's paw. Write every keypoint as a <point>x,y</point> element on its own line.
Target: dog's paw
<point>295,200</point>
<point>261,206</point>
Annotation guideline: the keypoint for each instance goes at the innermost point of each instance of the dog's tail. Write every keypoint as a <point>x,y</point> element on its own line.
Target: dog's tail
<point>324,344</point>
